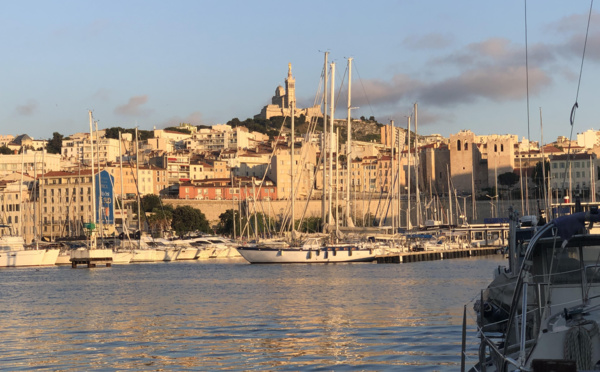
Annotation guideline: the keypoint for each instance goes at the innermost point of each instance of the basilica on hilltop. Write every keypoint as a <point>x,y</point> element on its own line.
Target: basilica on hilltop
<point>280,103</point>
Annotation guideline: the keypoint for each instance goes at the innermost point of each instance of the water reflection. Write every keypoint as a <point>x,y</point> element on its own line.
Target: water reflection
<point>206,316</point>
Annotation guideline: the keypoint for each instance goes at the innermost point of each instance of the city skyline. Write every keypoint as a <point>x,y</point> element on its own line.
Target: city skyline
<point>153,64</point>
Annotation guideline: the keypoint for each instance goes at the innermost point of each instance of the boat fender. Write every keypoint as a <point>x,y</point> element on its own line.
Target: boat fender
<point>122,236</point>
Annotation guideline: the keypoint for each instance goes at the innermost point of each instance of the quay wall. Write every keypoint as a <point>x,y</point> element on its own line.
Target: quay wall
<point>278,208</point>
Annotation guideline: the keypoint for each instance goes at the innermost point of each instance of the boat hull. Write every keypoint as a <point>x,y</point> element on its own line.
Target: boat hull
<point>313,255</point>
<point>144,255</point>
<point>50,257</point>
<point>187,253</point>
<point>22,258</point>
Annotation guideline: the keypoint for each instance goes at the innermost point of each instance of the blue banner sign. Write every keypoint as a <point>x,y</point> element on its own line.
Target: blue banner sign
<point>104,198</point>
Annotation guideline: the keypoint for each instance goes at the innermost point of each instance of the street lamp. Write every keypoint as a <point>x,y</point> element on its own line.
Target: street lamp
<point>492,203</point>
<point>464,212</point>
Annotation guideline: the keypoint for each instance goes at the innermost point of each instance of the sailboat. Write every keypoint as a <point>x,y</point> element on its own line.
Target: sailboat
<point>13,252</point>
<point>312,249</point>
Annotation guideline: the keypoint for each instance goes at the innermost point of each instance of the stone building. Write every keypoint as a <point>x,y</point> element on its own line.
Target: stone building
<point>17,206</point>
<point>500,156</point>
<point>280,102</point>
<point>305,159</point>
<point>31,162</point>
<point>467,170</point>
<point>66,202</point>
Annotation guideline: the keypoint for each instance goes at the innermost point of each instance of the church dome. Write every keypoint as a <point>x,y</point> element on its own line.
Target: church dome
<point>279,92</point>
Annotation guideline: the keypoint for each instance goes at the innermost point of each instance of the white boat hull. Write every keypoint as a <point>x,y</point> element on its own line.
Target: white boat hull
<point>122,257</point>
<point>21,258</point>
<point>167,254</point>
<point>144,255</point>
<point>64,258</point>
<point>50,256</point>
<point>311,255</point>
<point>187,253</point>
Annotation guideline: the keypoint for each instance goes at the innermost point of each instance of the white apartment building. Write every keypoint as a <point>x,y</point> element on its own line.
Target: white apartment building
<point>30,162</point>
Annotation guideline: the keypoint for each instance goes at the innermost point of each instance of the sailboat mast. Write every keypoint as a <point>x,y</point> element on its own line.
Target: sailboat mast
<point>21,193</point>
<point>399,169</point>
<point>417,194</point>
<point>137,170</point>
<point>337,174</point>
<point>408,179</point>
<point>349,143</point>
<point>330,142</point>
<point>543,167</point>
<point>99,199</point>
<point>292,195</point>
<point>93,240</point>
<point>324,142</point>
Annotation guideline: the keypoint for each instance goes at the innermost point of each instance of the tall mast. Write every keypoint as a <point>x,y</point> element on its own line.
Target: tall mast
<point>21,193</point>
<point>337,174</point>
<point>121,179</point>
<point>349,147</point>
<point>417,194</point>
<point>546,204</point>
<point>324,142</point>
<point>137,170</point>
<point>99,199</point>
<point>92,240</point>
<point>330,142</point>
<point>399,168</point>
<point>292,195</point>
<point>408,179</point>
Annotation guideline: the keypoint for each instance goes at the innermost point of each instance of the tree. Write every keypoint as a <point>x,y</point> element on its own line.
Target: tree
<point>160,219</point>
<point>538,174</point>
<point>54,145</point>
<point>508,179</point>
<point>5,150</point>
<point>179,129</point>
<point>151,202</point>
<point>187,219</point>
<point>225,226</point>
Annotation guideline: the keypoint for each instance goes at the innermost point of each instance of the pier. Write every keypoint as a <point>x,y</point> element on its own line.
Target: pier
<point>437,255</point>
<point>91,257</point>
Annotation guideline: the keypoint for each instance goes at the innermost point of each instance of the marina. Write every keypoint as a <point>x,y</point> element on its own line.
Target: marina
<point>228,315</point>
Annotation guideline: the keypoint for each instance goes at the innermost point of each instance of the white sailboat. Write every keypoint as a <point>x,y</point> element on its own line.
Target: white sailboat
<point>14,254</point>
<point>311,250</point>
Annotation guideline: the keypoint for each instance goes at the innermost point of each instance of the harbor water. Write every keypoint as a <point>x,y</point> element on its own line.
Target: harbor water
<point>229,315</point>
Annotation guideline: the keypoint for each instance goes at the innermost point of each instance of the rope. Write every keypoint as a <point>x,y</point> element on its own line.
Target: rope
<point>578,345</point>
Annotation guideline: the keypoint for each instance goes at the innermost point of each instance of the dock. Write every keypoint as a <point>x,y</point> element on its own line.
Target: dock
<point>91,257</point>
<point>437,255</point>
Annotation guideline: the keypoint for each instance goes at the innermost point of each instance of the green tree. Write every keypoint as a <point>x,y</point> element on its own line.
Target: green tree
<point>225,226</point>
<point>151,202</point>
<point>54,145</point>
<point>178,129</point>
<point>508,179</point>
<point>160,220</point>
<point>538,172</point>
<point>5,150</point>
<point>187,219</point>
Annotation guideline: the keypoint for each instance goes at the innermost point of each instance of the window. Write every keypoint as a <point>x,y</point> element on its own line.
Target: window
<point>466,146</point>
<point>458,145</point>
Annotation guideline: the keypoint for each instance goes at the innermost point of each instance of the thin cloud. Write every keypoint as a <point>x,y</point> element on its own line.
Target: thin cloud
<point>495,84</point>
<point>27,109</point>
<point>134,107</point>
<point>195,118</point>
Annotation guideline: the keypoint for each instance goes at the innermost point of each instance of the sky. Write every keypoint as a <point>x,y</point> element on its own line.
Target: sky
<point>154,64</point>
